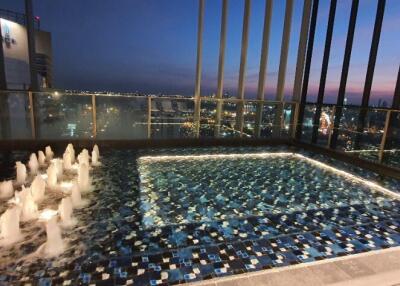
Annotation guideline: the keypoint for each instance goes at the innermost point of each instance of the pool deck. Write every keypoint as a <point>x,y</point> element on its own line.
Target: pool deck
<point>372,268</point>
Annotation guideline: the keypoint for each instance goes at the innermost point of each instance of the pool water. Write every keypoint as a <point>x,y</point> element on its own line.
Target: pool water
<point>187,189</point>
<point>166,220</point>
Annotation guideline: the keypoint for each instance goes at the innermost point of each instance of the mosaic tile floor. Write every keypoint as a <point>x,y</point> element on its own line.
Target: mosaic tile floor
<point>111,246</point>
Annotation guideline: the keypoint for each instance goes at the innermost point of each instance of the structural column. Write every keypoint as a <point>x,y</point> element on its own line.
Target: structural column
<point>282,66</point>
<point>324,70</point>
<point>307,68</point>
<point>301,54</point>
<point>370,72</point>
<point>198,68</point>
<point>221,63</point>
<point>344,74</point>
<point>242,70</point>
<point>263,65</point>
<point>31,45</point>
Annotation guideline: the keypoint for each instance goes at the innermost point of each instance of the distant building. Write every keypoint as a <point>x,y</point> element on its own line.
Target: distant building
<point>16,55</point>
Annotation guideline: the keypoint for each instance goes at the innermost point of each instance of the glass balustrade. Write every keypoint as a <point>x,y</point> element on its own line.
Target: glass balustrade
<point>58,115</point>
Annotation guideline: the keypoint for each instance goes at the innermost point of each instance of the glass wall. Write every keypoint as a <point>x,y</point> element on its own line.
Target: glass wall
<point>60,116</point>
<point>122,117</point>
<point>55,115</point>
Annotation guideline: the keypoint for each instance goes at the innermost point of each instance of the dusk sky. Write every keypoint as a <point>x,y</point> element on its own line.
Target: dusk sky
<point>150,46</point>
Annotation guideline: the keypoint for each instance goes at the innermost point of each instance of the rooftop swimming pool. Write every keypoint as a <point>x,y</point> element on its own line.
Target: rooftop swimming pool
<point>205,188</point>
<point>169,216</point>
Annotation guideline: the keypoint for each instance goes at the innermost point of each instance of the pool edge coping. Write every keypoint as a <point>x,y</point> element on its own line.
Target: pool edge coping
<point>302,265</point>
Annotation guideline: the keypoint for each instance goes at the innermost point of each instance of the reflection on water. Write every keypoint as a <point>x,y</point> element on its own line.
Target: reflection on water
<point>184,190</point>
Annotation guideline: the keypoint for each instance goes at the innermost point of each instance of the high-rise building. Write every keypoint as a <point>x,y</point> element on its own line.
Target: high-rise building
<point>16,54</point>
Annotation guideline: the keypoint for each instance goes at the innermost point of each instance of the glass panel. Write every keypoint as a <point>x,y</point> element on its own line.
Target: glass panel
<point>249,118</point>
<point>228,120</point>
<point>325,125</point>
<point>14,118</point>
<point>372,136</point>
<point>121,117</point>
<point>171,118</point>
<point>348,128</point>
<point>288,113</point>
<point>63,115</point>
<point>268,119</point>
<point>307,128</point>
<point>207,117</point>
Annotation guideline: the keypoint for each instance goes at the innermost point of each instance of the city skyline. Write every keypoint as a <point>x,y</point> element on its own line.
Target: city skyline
<point>118,47</point>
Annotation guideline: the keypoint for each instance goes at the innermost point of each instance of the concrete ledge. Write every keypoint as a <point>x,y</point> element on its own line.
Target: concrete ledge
<point>375,268</point>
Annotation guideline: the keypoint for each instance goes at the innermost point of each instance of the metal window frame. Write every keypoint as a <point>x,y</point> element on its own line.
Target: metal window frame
<point>263,65</point>
<point>197,102</point>
<point>283,65</point>
<point>307,68</point>
<point>243,63</point>
<point>324,70</point>
<point>344,73</point>
<point>300,62</point>
<point>370,72</point>
<point>221,64</point>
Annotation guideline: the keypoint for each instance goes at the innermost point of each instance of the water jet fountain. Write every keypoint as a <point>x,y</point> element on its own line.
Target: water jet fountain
<point>52,176</point>
<point>38,188</point>
<point>83,157</point>
<point>54,244</point>
<point>33,164</point>
<point>65,210</point>
<point>20,196</point>
<point>67,161</point>
<point>96,149</point>
<point>29,207</point>
<point>42,158</point>
<point>76,197</point>
<point>21,173</point>
<point>49,153</point>
<point>95,159</point>
<point>6,189</point>
<point>71,150</point>
<point>58,163</point>
<point>83,177</point>
<point>9,226</point>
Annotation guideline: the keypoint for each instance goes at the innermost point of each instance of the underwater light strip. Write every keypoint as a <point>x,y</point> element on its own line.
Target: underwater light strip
<point>215,156</point>
<point>272,154</point>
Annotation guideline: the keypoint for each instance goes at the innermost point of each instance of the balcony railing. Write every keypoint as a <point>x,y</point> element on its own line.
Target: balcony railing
<point>57,115</point>
<point>379,141</point>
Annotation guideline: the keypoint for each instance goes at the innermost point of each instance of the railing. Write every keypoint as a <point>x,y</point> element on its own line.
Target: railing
<point>57,115</point>
<point>379,141</point>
